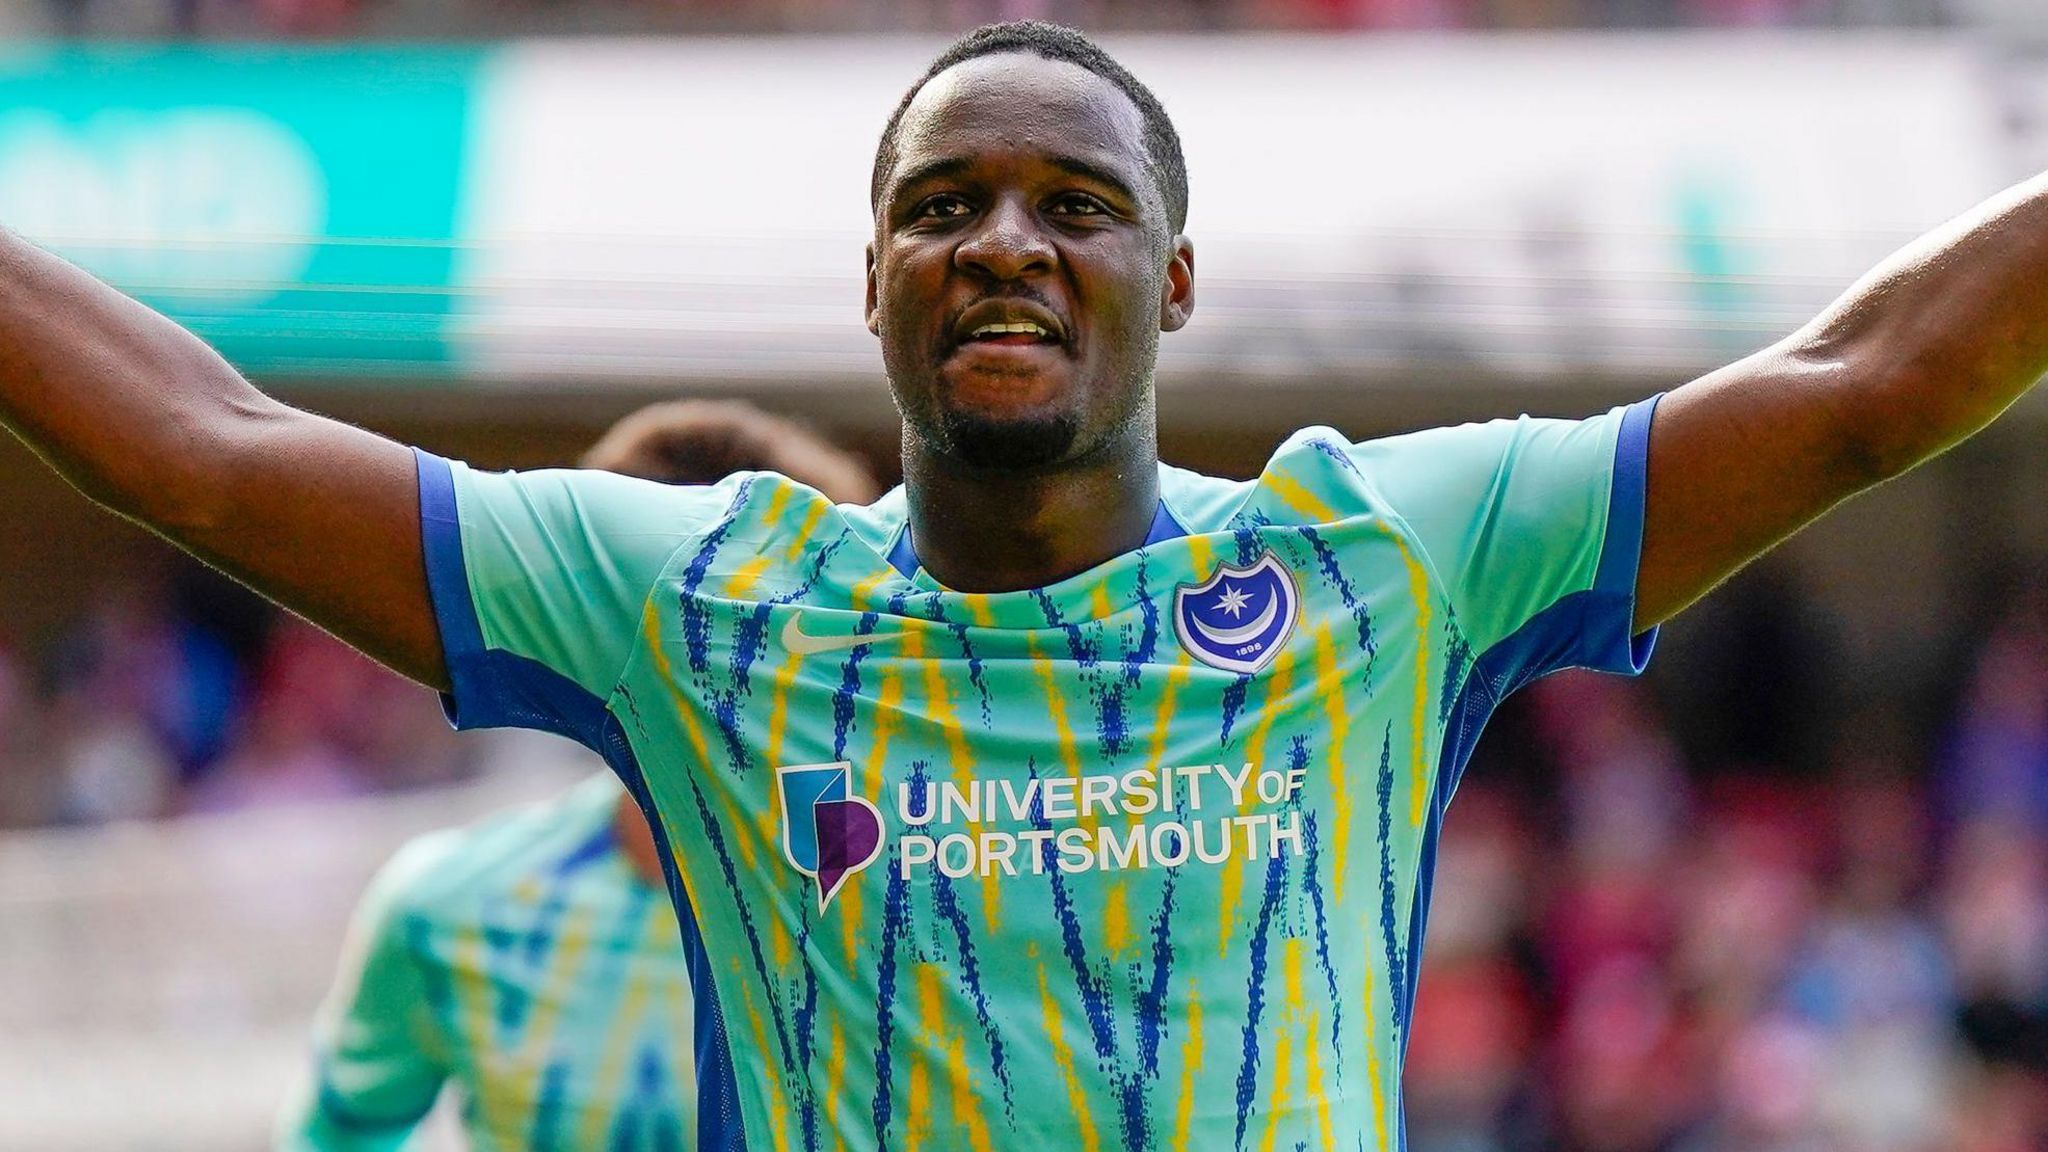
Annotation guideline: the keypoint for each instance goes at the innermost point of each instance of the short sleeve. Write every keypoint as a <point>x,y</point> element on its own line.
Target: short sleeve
<point>379,1050</point>
<point>538,581</point>
<point>1535,526</point>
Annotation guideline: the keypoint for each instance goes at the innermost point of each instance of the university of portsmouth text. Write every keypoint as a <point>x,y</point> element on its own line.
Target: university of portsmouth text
<point>1180,831</point>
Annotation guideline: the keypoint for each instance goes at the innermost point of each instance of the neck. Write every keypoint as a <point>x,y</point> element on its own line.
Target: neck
<point>983,530</point>
<point>636,840</point>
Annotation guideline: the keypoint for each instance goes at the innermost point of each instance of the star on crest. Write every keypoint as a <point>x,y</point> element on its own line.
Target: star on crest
<point>1233,600</point>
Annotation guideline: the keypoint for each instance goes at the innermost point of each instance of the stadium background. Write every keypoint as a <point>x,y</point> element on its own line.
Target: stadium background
<point>1788,892</point>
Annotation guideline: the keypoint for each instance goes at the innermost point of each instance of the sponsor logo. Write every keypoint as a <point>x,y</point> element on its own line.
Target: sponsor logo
<point>828,831</point>
<point>1238,619</point>
<point>803,643</point>
<point>1208,814</point>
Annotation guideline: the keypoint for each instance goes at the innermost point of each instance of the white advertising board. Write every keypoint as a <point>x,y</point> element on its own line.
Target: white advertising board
<point>1360,206</point>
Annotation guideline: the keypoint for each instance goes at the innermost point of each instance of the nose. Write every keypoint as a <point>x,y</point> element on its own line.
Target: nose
<point>1007,243</point>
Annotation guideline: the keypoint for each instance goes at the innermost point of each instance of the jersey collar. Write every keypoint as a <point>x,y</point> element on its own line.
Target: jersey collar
<point>903,557</point>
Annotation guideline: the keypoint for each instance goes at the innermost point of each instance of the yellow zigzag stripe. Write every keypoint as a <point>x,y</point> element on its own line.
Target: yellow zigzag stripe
<point>778,1108</point>
<point>1063,1057</point>
<point>1056,704</point>
<point>745,577</point>
<point>1313,1045</point>
<point>778,504</point>
<point>1372,1068</point>
<point>803,533</point>
<point>1277,1104</point>
<point>888,714</point>
<point>958,755</point>
<point>1117,937</point>
<point>701,748</point>
<point>1331,692</point>
<point>1294,1012</point>
<point>1304,502</point>
<point>835,1075</point>
<point>1418,588</point>
<point>917,1127</point>
<point>1278,683</point>
<point>965,1105</point>
<point>1190,1063</point>
<point>778,713</point>
<point>751,835</point>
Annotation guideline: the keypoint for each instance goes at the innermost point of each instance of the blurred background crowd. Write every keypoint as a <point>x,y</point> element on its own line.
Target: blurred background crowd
<point>460,18</point>
<point>1802,936</point>
<point>178,693</point>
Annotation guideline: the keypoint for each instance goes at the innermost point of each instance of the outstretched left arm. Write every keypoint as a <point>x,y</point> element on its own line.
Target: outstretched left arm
<point>1922,352</point>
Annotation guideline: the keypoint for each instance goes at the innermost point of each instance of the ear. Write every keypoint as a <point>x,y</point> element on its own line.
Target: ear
<point>874,306</point>
<point>1177,295</point>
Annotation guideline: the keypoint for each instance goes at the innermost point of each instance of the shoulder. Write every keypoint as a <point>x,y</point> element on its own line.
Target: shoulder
<point>1394,457</point>
<point>784,523</point>
<point>1421,470</point>
<point>550,499</point>
<point>1316,475</point>
<point>781,539</point>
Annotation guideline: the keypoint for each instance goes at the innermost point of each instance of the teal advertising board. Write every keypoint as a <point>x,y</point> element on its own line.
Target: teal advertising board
<point>298,208</point>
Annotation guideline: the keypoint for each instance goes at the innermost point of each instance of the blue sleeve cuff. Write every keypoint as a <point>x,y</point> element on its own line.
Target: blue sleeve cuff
<point>488,689</point>
<point>462,639</point>
<point>1611,642</point>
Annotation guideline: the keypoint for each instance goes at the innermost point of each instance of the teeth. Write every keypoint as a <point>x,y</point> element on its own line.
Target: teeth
<point>1024,327</point>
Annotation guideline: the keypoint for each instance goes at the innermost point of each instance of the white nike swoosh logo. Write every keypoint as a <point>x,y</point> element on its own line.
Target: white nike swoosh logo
<point>803,643</point>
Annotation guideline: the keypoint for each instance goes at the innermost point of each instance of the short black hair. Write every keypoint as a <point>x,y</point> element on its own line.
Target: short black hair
<point>1055,42</point>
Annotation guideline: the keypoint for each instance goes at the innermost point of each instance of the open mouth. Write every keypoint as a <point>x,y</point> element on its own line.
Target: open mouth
<point>1008,322</point>
<point>1012,333</point>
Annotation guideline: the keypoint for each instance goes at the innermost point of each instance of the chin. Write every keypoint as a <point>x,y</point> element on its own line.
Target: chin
<point>1008,443</point>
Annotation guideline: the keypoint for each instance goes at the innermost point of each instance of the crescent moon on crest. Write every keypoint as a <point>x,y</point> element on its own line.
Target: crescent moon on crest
<point>1243,633</point>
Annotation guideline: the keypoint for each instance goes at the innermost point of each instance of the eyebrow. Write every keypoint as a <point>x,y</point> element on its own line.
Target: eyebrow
<point>959,165</point>
<point>1075,166</point>
<point>931,170</point>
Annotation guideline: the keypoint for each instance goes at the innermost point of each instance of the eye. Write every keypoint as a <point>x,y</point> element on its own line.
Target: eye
<point>944,206</point>
<point>1078,204</point>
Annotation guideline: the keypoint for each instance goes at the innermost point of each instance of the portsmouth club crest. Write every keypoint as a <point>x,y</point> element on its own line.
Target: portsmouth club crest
<point>829,832</point>
<point>1240,617</point>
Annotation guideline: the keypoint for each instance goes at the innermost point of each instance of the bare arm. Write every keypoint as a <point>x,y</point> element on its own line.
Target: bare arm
<point>147,420</point>
<point>1922,352</point>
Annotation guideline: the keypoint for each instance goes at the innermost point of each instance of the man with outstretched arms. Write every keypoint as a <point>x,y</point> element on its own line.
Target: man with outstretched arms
<point>1061,799</point>
<point>531,960</point>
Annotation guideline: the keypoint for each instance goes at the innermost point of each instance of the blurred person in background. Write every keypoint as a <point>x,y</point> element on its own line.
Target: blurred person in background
<point>1995,766</point>
<point>1871,980</point>
<point>1994,912</point>
<point>768,671</point>
<point>531,960</point>
<point>23,786</point>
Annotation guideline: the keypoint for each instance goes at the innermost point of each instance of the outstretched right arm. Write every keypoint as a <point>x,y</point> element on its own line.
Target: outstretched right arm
<point>320,516</point>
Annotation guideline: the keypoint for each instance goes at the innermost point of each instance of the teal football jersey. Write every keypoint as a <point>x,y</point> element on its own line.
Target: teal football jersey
<point>1140,860</point>
<point>525,963</point>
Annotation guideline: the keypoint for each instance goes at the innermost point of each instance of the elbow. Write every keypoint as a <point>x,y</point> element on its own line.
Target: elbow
<point>1875,447</point>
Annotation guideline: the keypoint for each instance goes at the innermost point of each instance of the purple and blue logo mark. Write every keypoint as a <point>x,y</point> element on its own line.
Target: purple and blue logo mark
<point>829,832</point>
<point>1240,617</point>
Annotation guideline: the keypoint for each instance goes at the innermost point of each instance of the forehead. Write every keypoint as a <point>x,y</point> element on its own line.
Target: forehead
<point>1016,104</point>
